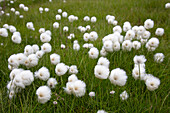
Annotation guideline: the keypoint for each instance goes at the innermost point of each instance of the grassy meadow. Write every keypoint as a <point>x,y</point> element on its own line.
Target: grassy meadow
<point>135,11</point>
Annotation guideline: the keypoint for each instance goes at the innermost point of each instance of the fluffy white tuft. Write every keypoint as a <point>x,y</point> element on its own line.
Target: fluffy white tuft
<point>101,72</point>
<point>118,77</point>
<point>44,94</point>
<point>43,74</point>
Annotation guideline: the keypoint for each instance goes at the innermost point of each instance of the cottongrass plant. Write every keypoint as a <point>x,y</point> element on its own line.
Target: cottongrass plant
<point>125,38</point>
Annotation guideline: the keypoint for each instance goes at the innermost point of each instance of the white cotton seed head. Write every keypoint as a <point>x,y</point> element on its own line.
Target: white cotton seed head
<point>139,59</point>
<point>48,32</point>
<point>116,46</point>
<point>126,27</point>
<point>41,30</point>
<point>52,82</point>
<point>141,30</point>
<point>110,21</point>
<point>148,24</point>
<point>46,9</point>
<point>92,94</point>
<point>58,17</point>
<point>79,88</point>
<point>55,58</point>
<point>167,5</point>
<point>115,22</point>
<point>130,34</point>
<point>146,34</point>
<point>28,50</point>
<point>64,14</point>
<point>69,88</point>
<point>27,77</point>
<point>93,19</point>
<point>35,48</point>
<point>6,26</point>
<point>150,48</point>
<point>44,94</point>
<point>135,29</point>
<point>138,73</point>
<point>3,32</point>
<point>26,8</point>
<point>21,57</point>
<point>59,10</point>
<point>103,52</point>
<point>76,47</point>
<point>127,45</point>
<point>124,95</point>
<point>152,83</point>
<point>75,42</point>
<point>14,73</point>
<point>12,29</point>
<point>72,78</point>
<point>86,45</point>
<point>13,61</point>
<point>79,27</point>
<point>83,29</point>
<point>118,77</point>
<point>61,69</point>
<point>101,72</point>
<point>71,18</point>
<point>21,6</point>
<point>108,46</point>
<point>46,48</point>
<point>16,39</point>
<point>159,31</point>
<point>88,27</point>
<point>86,37</point>
<point>143,41</point>
<point>159,57</point>
<point>56,25</point>
<point>44,37</point>
<point>65,29</point>
<point>112,92</point>
<point>21,16</point>
<point>90,45</point>
<point>31,61</point>
<point>39,54</point>
<point>72,35</point>
<point>103,61</point>
<point>107,17</point>
<point>41,9</point>
<point>73,69</point>
<point>17,13</point>
<point>117,29</point>
<point>76,18</point>
<point>93,36</point>
<point>153,42</point>
<point>30,25</point>
<point>63,46</point>
<point>93,53</point>
<point>86,18</point>
<point>18,81</point>
<point>43,74</point>
<point>101,111</point>
<point>136,45</point>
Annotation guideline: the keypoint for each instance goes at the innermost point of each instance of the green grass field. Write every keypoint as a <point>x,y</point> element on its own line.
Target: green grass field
<point>135,11</point>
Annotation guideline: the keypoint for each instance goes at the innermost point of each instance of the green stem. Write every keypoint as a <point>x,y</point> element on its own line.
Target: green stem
<point>100,92</point>
<point>72,105</point>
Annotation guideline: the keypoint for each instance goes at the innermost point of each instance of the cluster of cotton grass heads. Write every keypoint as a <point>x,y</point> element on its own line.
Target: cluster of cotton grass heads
<point>135,37</point>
